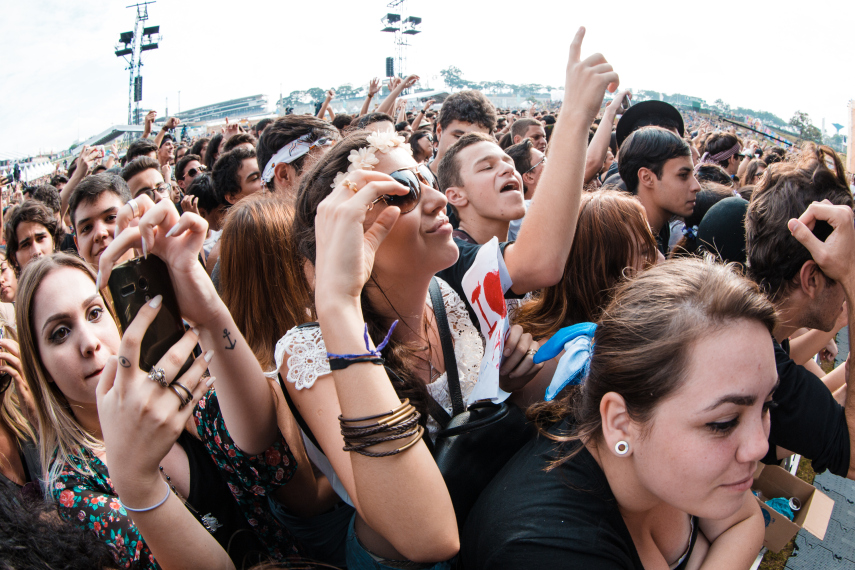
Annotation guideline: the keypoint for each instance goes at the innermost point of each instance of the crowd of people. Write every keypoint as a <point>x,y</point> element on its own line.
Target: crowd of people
<point>668,281</point>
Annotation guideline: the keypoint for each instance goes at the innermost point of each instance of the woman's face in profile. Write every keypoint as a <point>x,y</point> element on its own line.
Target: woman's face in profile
<point>700,450</point>
<point>73,332</point>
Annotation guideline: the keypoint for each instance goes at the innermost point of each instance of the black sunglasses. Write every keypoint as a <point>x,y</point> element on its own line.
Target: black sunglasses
<point>194,171</point>
<point>413,179</point>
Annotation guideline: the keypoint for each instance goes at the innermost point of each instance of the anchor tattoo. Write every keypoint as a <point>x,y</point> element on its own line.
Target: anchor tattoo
<point>231,343</point>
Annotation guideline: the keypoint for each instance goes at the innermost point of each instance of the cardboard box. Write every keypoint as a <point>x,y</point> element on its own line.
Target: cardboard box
<point>773,482</point>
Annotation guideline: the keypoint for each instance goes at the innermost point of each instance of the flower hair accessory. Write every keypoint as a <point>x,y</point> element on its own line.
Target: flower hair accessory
<point>365,158</point>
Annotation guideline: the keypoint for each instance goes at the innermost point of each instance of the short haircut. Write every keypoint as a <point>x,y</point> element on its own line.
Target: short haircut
<point>261,125</point>
<point>468,107</point>
<point>139,164</point>
<point>648,147</point>
<point>58,179</point>
<point>448,172</point>
<point>520,128</point>
<point>167,137</point>
<point>88,191</point>
<point>47,195</point>
<point>198,145</point>
<point>225,174</point>
<point>775,257</point>
<point>521,153</point>
<point>342,121</point>
<point>98,168</point>
<point>287,129</point>
<point>372,118</point>
<point>140,147</point>
<point>203,188</point>
<point>713,173</point>
<point>212,152</point>
<point>402,126</point>
<point>239,139</point>
<point>182,164</point>
<point>35,212</point>
<point>720,142</point>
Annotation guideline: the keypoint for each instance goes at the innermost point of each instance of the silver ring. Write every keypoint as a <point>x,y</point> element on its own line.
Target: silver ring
<point>187,392</point>
<point>795,504</point>
<point>184,401</point>
<point>531,352</point>
<point>158,375</point>
<point>135,207</point>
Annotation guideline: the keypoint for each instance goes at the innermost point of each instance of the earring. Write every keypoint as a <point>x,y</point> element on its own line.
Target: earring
<point>621,447</point>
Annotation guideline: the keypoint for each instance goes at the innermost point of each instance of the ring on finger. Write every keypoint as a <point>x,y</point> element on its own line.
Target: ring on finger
<point>184,401</point>
<point>352,185</point>
<point>135,207</point>
<point>187,392</point>
<point>531,352</point>
<point>158,375</point>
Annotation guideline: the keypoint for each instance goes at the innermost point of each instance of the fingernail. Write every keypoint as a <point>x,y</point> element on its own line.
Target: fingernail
<point>172,231</point>
<point>144,249</point>
<point>98,280</point>
<point>155,303</point>
<point>210,381</point>
<point>209,355</point>
<point>195,331</point>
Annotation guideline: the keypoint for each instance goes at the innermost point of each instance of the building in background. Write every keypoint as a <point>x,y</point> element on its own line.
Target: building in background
<point>251,106</point>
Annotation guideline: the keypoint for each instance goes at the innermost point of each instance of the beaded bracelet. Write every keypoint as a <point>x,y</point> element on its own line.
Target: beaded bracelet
<point>127,508</point>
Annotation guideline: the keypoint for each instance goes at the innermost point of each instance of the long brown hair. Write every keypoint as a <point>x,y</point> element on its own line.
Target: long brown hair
<point>262,280</point>
<point>644,340</point>
<point>612,228</point>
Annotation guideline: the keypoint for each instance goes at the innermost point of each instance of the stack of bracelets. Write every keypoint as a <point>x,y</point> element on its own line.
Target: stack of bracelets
<point>398,424</point>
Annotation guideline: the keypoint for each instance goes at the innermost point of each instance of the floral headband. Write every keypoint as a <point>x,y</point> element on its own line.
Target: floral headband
<point>365,159</point>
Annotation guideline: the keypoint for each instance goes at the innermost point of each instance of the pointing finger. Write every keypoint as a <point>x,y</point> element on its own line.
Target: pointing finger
<point>576,45</point>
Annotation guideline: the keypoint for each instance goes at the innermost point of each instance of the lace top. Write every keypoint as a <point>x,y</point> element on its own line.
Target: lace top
<point>307,354</point>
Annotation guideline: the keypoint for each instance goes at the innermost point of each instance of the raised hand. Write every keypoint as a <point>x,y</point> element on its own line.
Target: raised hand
<point>330,94</point>
<point>394,82</point>
<point>836,255</point>
<point>190,204</point>
<point>230,130</point>
<point>374,87</point>
<point>171,123</point>
<point>410,81</point>
<point>429,104</point>
<point>88,157</point>
<point>149,119</point>
<point>586,80</point>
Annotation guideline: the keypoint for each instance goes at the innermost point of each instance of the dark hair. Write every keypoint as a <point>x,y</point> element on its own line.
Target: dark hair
<point>713,173</point>
<point>203,188</point>
<point>178,149</point>
<point>182,164</point>
<point>140,147</point>
<point>371,118</point>
<point>645,338</point>
<point>98,168</point>
<point>47,195</point>
<point>656,120</point>
<point>261,125</point>
<point>648,147</point>
<point>402,126</point>
<point>32,535</point>
<point>709,195</point>
<point>342,121</point>
<point>288,129</point>
<point>520,127</point>
<point>751,170</point>
<point>212,153</point>
<point>468,107</point>
<point>239,139</point>
<point>414,139</point>
<point>225,174</point>
<point>521,153</point>
<point>167,137</point>
<point>720,142</point>
<point>139,164</point>
<point>314,187</point>
<point>35,212</point>
<point>448,172</point>
<point>88,191</point>
<point>58,179</point>
<point>197,146</point>
<point>775,257</point>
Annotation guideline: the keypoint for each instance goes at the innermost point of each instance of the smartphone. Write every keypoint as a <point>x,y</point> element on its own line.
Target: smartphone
<point>133,284</point>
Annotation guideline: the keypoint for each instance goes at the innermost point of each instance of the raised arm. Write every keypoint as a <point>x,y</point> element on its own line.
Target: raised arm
<point>149,121</point>
<point>600,143</point>
<point>329,97</point>
<point>421,116</point>
<point>244,395</point>
<point>373,89</point>
<point>538,257</point>
<point>388,103</point>
<point>170,123</point>
<point>85,161</point>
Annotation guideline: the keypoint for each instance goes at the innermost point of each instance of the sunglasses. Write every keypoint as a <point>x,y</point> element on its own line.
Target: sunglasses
<point>411,178</point>
<point>194,171</point>
<point>541,161</point>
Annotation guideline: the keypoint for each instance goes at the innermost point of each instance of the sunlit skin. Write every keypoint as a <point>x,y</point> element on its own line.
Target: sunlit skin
<point>450,135</point>
<point>492,188</point>
<point>8,282</point>
<point>671,194</point>
<point>250,180</point>
<point>537,134</point>
<point>34,241</point>
<point>150,181</point>
<point>187,179</point>
<point>95,224</point>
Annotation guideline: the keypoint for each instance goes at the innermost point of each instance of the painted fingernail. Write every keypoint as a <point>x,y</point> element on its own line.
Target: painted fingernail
<point>195,331</point>
<point>172,231</point>
<point>144,249</point>
<point>210,381</point>
<point>209,356</point>
<point>98,280</point>
<point>155,303</point>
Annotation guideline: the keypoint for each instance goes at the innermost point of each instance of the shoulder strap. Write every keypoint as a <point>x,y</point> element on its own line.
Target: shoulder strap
<point>296,413</point>
<point>447,348</point>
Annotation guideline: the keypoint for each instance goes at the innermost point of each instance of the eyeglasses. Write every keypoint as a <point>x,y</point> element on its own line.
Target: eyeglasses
<point>541,161</point>
<point>411,178</point>
<point>162,188</point>
<point>194,171</point>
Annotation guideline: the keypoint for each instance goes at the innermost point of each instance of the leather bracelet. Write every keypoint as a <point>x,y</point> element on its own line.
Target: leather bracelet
<point>403,405</point>
<point>127,508</point>
<point>342,363</point>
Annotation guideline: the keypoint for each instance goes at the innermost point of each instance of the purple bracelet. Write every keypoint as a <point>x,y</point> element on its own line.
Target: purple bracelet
<point>371,353</point>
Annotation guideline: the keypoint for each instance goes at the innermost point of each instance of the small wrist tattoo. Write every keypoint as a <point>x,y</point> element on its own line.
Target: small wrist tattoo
<point>124,362</point>
<point>231,343</point>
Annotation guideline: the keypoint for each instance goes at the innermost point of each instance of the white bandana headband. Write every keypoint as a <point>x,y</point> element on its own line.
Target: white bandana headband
<point>291,152</point>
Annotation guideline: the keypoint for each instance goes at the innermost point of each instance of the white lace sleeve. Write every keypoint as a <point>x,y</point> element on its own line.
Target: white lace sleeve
<point>307,356</point>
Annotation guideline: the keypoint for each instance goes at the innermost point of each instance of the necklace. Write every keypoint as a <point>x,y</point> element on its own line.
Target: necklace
<point>208,521</point>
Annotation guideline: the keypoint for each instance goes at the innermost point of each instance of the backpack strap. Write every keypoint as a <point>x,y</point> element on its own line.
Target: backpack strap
<point>447,350</point>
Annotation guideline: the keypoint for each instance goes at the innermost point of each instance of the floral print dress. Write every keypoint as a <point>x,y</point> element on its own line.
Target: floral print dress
<point>90,500</point>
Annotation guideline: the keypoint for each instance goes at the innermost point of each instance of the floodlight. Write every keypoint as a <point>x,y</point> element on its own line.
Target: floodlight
<point>122,52</point>
<point>151,31</point>
<point>414,20</point>
<point>146,47</point>
<point>126,37</point>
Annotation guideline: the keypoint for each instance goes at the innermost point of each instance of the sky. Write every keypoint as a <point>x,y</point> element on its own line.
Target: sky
<point>61,82</point>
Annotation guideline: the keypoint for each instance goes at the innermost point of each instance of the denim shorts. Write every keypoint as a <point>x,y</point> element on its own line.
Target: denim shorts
<point>358,558</point>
